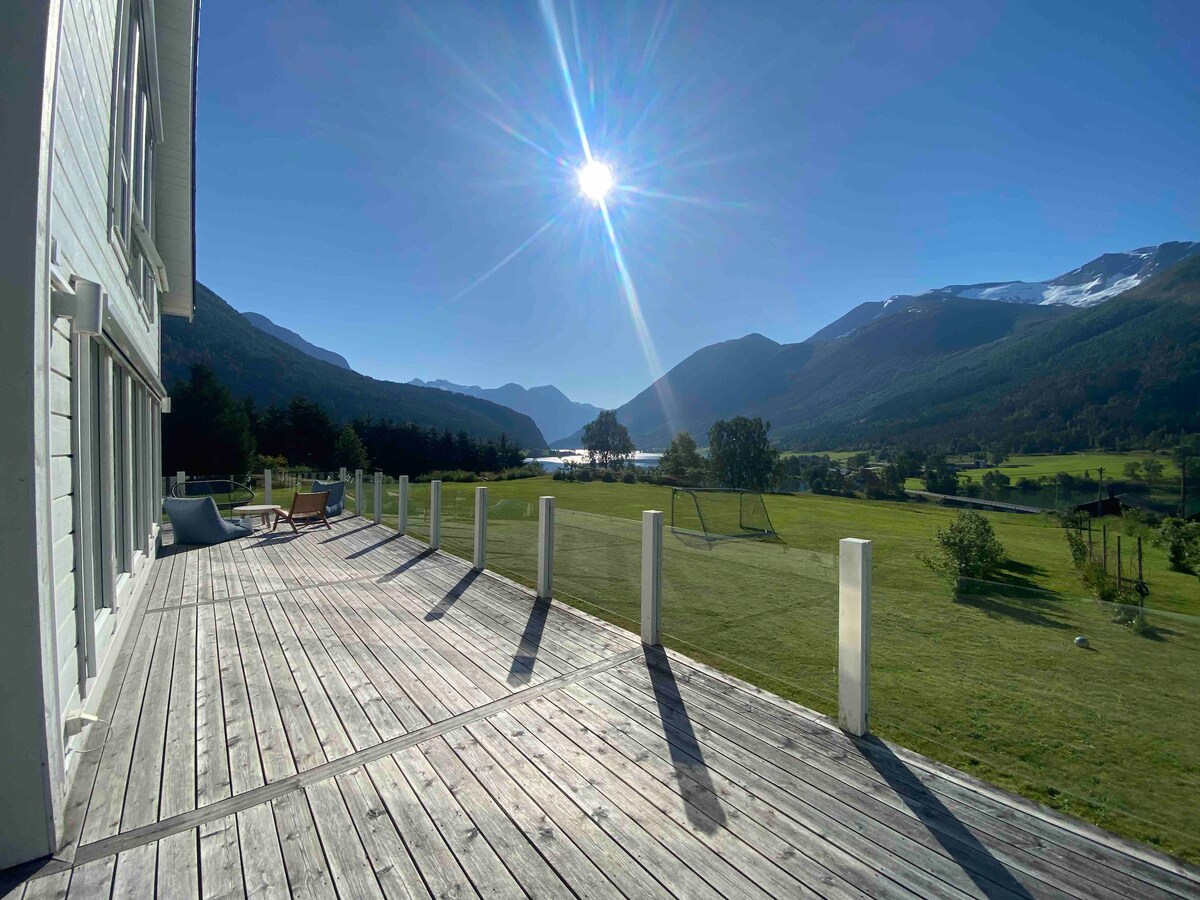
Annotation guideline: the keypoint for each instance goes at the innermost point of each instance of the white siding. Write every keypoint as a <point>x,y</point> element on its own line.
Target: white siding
<point>62,528</point>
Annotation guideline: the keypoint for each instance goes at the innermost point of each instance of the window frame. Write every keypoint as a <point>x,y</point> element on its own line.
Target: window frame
<point>136,133</point>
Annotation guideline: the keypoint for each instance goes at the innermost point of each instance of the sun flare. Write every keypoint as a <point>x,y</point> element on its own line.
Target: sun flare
<point>595,180</point>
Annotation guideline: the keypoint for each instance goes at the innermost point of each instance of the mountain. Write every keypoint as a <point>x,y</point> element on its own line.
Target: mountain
<point>1092,283</point>
<point>253,363</point>
<point>553,411</point>
<point>262,323</point>
<point>943,369</point>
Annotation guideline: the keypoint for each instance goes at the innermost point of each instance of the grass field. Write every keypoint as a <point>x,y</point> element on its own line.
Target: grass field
<point>1039,464</point>
<point>990,683</point>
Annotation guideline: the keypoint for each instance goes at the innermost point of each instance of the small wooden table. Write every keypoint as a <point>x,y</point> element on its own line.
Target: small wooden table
<point>262,510</point>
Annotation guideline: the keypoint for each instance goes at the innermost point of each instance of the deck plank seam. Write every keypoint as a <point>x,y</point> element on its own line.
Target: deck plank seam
<point>128,840</point>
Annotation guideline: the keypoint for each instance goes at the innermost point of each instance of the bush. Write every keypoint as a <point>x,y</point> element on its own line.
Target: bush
<point>629,477</point>
<point>1077,547</point>
<point>1182,542</point>
<point>966,548</point>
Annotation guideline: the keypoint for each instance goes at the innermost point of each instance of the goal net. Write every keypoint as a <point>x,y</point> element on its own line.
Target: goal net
<point>718,513</point>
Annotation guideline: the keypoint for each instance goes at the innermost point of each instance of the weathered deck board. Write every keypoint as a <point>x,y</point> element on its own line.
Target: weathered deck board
<point>343,713</point>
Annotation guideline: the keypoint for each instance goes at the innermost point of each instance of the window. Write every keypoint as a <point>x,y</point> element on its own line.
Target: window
<point>135,130</point>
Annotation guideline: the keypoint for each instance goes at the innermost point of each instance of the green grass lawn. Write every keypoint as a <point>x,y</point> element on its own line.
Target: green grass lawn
<point>990,683</point>
<point>1036,465</point>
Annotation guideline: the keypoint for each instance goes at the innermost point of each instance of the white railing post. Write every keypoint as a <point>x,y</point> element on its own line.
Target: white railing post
<point>435,515</point>
<point>652,549</point>
<point>854,635</point>
<point>402,505</point>
<point>480,561</point>
<point>267,486</point>
<point>181,480</point>
<point>358,504</point>
<point>378,498</point>
<point>342,474</point>
<point>545,569</point>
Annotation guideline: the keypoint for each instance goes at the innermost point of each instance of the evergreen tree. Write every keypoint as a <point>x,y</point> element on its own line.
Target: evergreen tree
<point>349,450</point>
<point>682,460</point>
<point>207,432</point>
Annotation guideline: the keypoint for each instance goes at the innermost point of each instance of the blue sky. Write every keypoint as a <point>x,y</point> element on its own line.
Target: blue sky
<point>362,165</point>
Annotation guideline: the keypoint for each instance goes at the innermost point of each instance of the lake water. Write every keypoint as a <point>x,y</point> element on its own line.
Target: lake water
<point>551,463</point>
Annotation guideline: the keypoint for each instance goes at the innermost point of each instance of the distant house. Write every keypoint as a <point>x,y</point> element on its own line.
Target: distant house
<point>96,209</point>
<point>1109,506</point>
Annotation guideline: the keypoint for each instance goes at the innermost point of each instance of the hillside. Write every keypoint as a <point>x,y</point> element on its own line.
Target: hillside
<point>253,363</point>
<point>948,369</point>
<point>555,413</point>
<point>289,337</point>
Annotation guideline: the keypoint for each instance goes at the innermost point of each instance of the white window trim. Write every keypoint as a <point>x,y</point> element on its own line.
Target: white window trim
<point>151,252</point>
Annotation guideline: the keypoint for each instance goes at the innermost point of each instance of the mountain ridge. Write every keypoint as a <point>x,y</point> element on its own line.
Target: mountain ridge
<point>940,367</point>
<point>553,411</point>
<point>253,363</point>
<point>1097,280</point>
<point>291,338</point>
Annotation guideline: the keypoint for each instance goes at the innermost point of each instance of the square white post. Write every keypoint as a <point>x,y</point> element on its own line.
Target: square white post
<point>358,504</point>
<point>652,549</point>
<point>342,474</point>
<point>267,486</point>
<point>854,635</point>
<point>378,498</point>
<point>181,480</point>
<point>481,503</point>
<point>402,508</point>
<point>545,569</point>
<point>435,515</point>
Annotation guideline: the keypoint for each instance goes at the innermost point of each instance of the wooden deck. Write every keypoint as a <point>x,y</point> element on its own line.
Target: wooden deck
<point>344,714</point>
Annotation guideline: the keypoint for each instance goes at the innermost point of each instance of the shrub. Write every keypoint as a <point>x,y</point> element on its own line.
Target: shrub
<point>1182,542</point>
<point>966,548</point>
<point>1077,547</point>
<point>629,477</point>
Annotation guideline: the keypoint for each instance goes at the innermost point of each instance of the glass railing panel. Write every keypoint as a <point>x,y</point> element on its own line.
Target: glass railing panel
<point>512,533</point>
<point>418,511</point>
<point>597,565</point>
<point>458,519</point>
<point>759,609</point>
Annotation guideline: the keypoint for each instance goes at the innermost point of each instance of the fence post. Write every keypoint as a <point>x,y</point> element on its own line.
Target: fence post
<point>402,505</point>
<point>181,480</point>
<point>435,515</point>
<point>342,474</point>
<point>854,635</point>
<point>481,506</point>
<point>652,552</point>
<point>358,504</point>
<point>267,494</point>
<point>378,498</point>
<point>545,569</point>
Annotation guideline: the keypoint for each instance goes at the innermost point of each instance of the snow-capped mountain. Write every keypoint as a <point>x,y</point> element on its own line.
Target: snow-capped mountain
<point>1094,282</point>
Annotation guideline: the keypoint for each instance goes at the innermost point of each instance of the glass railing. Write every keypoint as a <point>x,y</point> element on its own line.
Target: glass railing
<point>458,519</point>
<point>758,609</point>
<point>418,511</point>
<point>512,533</point>
<point>597,565</point>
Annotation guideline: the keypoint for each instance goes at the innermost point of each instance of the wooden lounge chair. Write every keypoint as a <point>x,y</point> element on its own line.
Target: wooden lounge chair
<point>306,508</point>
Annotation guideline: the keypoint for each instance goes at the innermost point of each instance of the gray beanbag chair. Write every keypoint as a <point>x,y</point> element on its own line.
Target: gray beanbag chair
<point>337,495</point>
<point>198,521</point>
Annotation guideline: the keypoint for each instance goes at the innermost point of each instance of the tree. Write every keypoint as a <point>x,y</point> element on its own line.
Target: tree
<point>1153,469</point>
<point>740,454</point>
<point>966,548</point>
<point>607,440</point>
<point>349,450</point>
<point>682,460</point>
<point>1182,542</point>
<point>207,431</point>
<point>1185,452</point>
<point>1133,470</point>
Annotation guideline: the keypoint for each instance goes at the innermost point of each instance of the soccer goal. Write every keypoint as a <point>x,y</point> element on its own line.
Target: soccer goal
<point>720,513</point>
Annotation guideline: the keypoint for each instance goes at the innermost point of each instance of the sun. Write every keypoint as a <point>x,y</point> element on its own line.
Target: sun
<point>595,180</point>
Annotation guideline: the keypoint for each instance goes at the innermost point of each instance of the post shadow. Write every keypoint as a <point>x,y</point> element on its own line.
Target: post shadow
<point>521,670</point>
<point>989,874</point>
<point>375,546</point>
<point>702,805</point>
<point>406,565</point>
<point>338,537</point>
<point>451,596</point>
